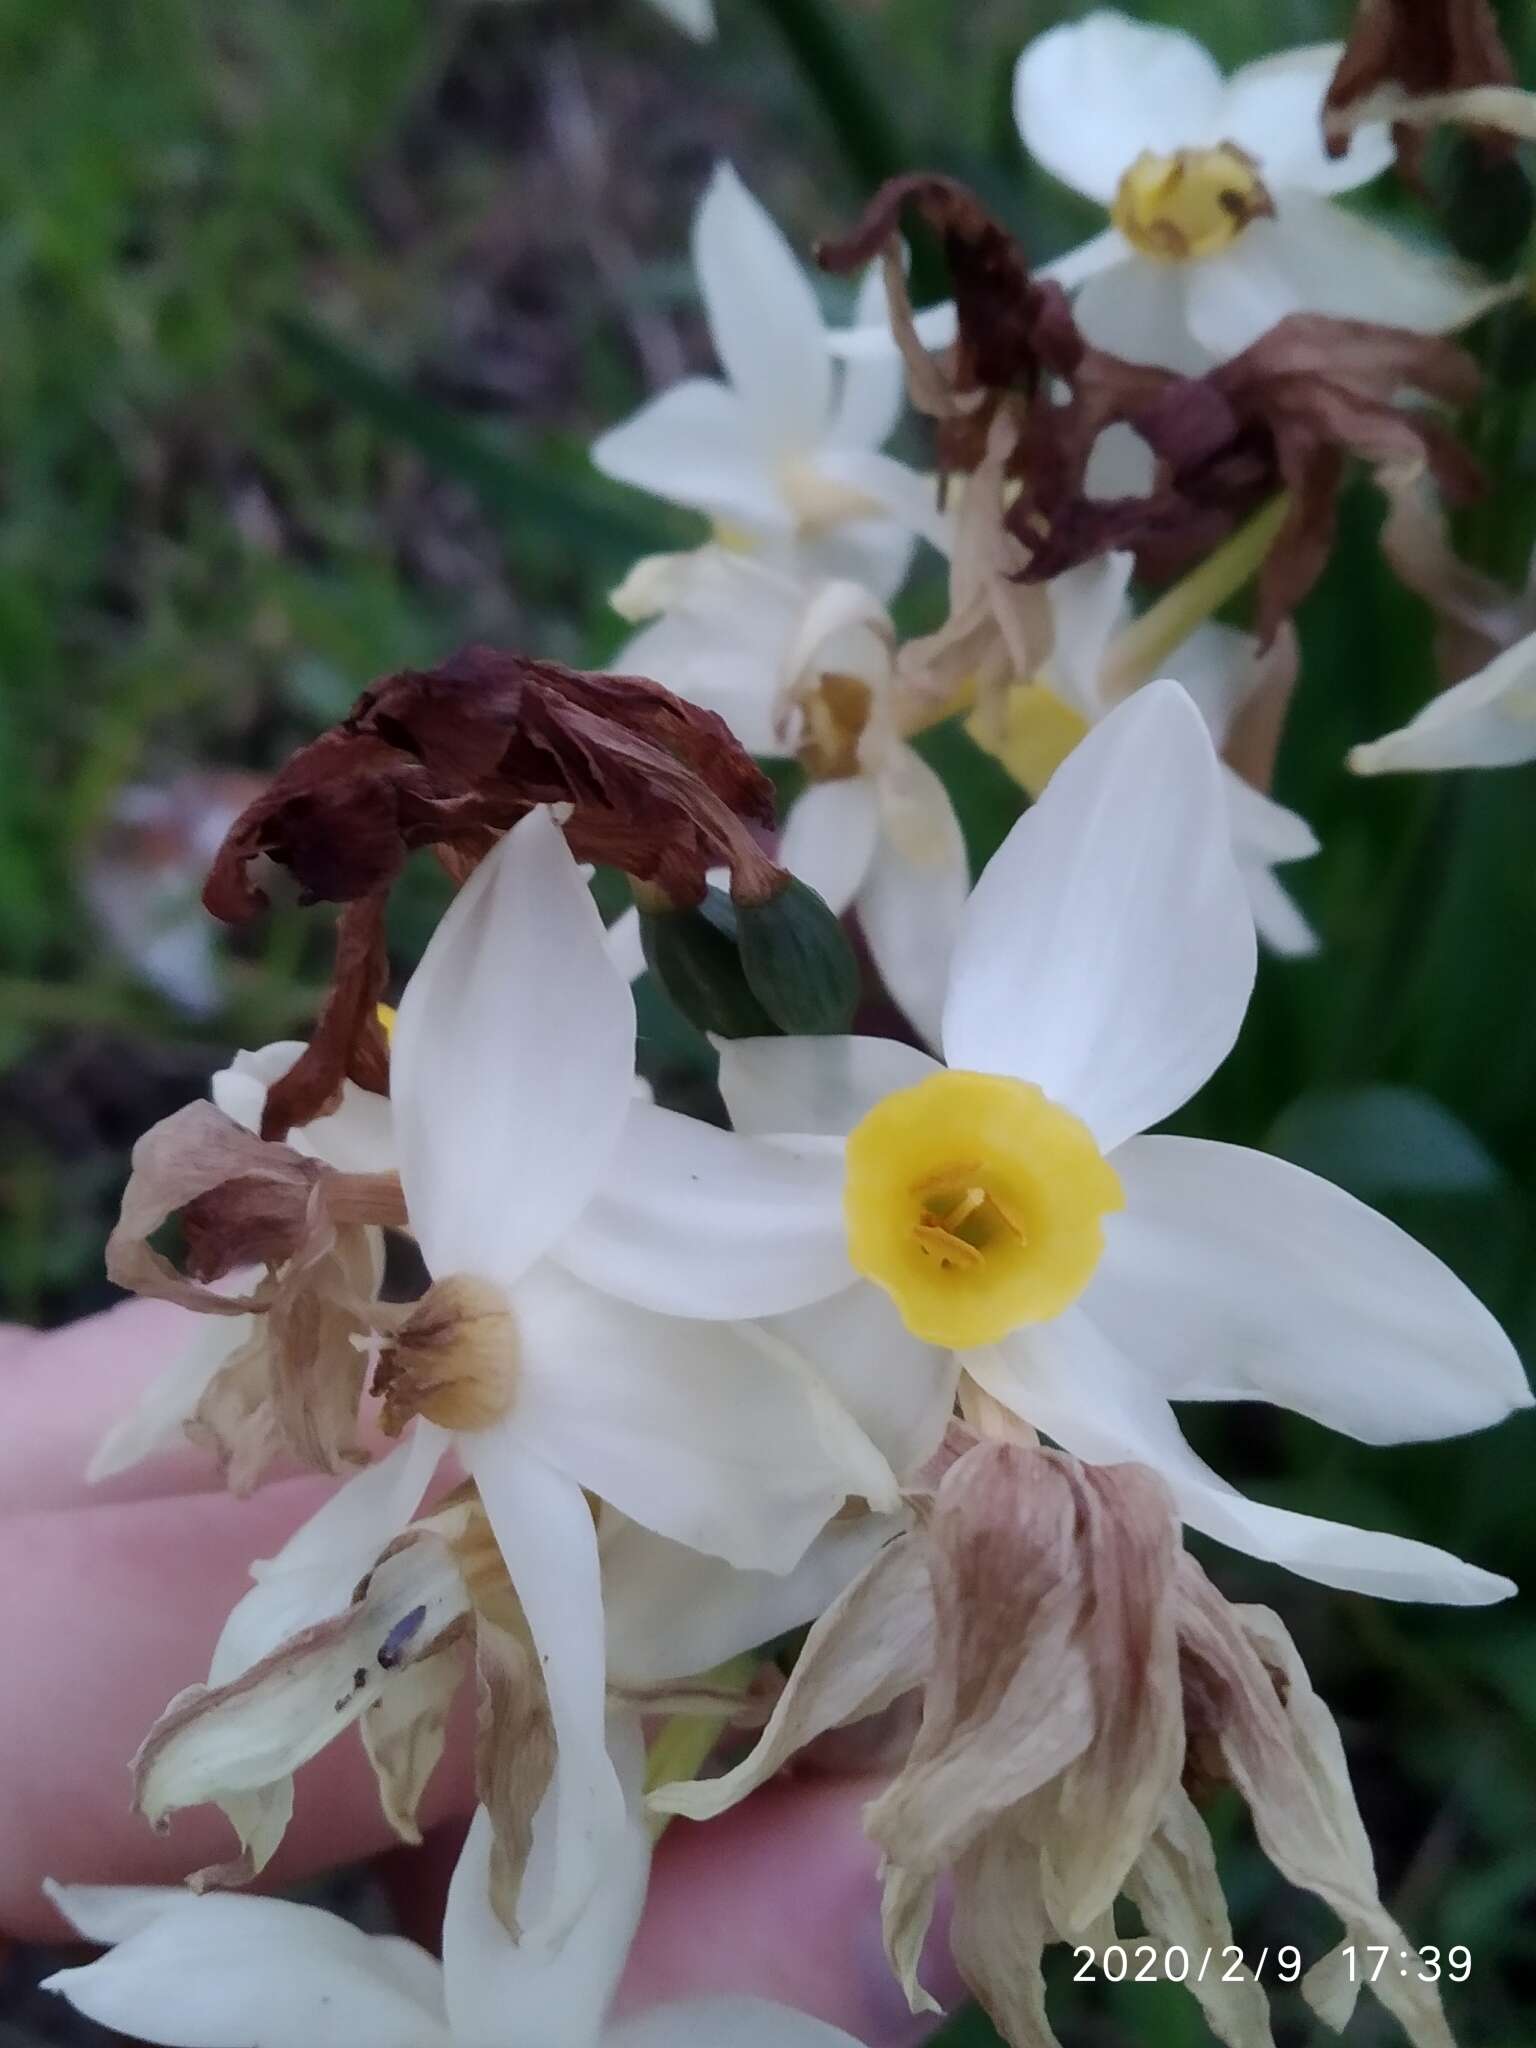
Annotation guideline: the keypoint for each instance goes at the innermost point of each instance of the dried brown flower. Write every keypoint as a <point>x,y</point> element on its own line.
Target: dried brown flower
<point>1415,48</point>
<point>1083,1686</point>
<point>452,757</point>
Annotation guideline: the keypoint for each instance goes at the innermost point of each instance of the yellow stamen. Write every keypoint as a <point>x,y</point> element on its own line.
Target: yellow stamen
<point>977,1204</point>
<point>1192,204</point>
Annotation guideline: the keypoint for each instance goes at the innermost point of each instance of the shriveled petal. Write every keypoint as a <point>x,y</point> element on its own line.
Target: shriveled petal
<point>1232,1275</point>
<point>159,1417</point>
<point>512,1061</point>
<point>710,1433</point>
<point>552,1992</point>
<point>237,1746</point>
<point>357,1136</point>
<point>899,1390</point>
<point>999,1931</point>
<point>915,888</point>
<point>817,1085</point>
<point>1489,721</point>
<point>763,319</point>
<point>829,838</point>
<point>713,2022</point>
<point>873,1644</point>
<point>226,1972</point>
<point>1316,258</point>
<point>700,1222</point>
<point>543,1525</point>
<point>314,1574</point>
<point>673,1612</point>
<point>870,391</point>
<point>1091,95</point>
<point>1274,110</point>
<point>692,444</point>
<point>1067,1379</point>
<point>1108,952</point>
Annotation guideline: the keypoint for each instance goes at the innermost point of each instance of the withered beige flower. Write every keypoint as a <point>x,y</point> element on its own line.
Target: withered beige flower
<point>1401,52</point>
<point>1084,1686</point>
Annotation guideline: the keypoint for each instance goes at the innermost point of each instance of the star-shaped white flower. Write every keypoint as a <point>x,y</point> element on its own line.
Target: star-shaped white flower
<point>1488,721</point>
<point>1008,1204</point>
<point>1219,195</point>
<point>1038,723</point>
<point>804,670</point>
<point>781,451</point>
<point>233,1971</point>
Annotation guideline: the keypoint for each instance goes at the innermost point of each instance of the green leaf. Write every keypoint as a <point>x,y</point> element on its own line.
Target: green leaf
<point>1382,1140</point>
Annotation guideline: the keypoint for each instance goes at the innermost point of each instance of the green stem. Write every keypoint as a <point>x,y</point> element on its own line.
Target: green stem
<point>1139,652</point>
<point>683,1743</point>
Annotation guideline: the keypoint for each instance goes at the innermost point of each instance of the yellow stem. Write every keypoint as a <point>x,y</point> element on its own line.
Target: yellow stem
<point>683,1743</point>
<point>1138,654</point>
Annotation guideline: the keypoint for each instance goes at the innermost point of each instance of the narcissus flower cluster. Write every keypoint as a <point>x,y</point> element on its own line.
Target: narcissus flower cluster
<point>889,1342</point>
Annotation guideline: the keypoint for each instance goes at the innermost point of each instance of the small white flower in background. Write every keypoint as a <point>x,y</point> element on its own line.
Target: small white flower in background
<point>781,452</point>
<point>1218,193</point>
<point>804,671</point>
<point>1088,1275</point>
<point>1489,721</point>
<point>1035,725</point>
<point>224,1971</point>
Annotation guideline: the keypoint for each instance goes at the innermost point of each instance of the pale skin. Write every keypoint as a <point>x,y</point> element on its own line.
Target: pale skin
<point>111,1598</point>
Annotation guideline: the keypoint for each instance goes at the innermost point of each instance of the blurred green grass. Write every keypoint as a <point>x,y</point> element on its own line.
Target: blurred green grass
<point>297,363</point>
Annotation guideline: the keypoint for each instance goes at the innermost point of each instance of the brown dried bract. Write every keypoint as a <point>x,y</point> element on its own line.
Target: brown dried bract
<point>1420,47</point>
<point>1286,414</point>
<point>451,758</point>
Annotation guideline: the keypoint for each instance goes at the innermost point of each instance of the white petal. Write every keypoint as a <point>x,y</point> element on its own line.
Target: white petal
<point>512,1061</point>
<point>110,1913</point>
<point>1136,309</point>
<point>554,1994</point>
<point>1108,953</point>
<point>1489,721</point>
<point>714,664</point>
<point>624,945</point>
<point>763,318</point>
<point>695,18</point>
<point>673,1612</point>
<point>1317,258</point>
<point>314,1574</point>
<point>1262,829</point>
<point>1218,665</point>
<point>910,496</point>
<point>898,1389</point>
<point>1088,606</point>
<point>1076,266</point>
<point>870,391</point>
<point>1274,110</point>
<point>813,1085</point>
<point>1090,96</point>
<point>229,1971</point>
<point>692,445</point>
<point>1281,925</point>
<point>829,838</point>
<point>1234,1275</point>
<point>155,1422</point>
<point>357,1136</point>
<point>874,552</point>
<point>1069,1380</point>
<point>543,1526</point>
<point>706,1432</point>
<point>914,893</point>
<point>726,2023</point>
<point>702,1222</point>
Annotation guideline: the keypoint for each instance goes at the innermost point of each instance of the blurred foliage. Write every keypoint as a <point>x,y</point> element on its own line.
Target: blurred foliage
<point>307,316</point>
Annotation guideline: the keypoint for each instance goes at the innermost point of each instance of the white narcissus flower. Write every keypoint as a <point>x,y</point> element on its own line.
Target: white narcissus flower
<point>1007,1204</point>
<point>781,452</point>
<point>1036,725</point>
<point>1218,192</point>
<point>512,1093</point>
<point>232,1971</point>
<point>1489,721</point>
<point>803,670</point>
